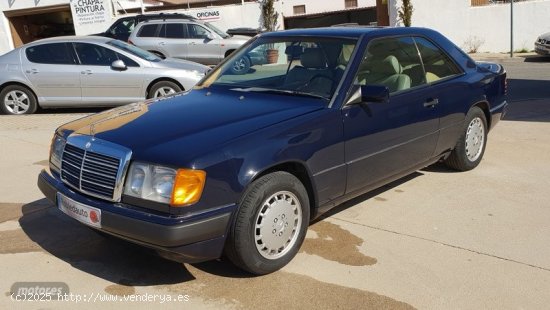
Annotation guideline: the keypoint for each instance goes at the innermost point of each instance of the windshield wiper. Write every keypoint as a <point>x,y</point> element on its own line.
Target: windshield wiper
<point>281,91</point>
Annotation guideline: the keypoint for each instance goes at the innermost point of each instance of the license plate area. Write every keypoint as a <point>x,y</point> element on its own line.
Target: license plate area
<point>85,214</point>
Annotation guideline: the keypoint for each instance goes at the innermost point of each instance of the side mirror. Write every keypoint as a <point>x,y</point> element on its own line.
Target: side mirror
<point>375,93</point>
<point>210,36</point>
<point>369,93</point>
<point>118,65</point>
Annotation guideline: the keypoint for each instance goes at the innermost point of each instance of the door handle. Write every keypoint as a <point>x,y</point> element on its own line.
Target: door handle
<point>430,103</point>
<point>32,71</point>
<point>162,43</point>
<point>86,72</point>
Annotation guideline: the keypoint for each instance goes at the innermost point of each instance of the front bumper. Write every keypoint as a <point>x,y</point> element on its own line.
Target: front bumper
<point>185,239</point>
<point>541,49</point>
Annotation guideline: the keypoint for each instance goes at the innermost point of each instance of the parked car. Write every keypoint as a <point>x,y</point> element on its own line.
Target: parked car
<point>542,45</point>
<point>123,26</point>
<point>243,163</point>
<point>189,39</point>
<point>243,31</point>
<point>88,71</point>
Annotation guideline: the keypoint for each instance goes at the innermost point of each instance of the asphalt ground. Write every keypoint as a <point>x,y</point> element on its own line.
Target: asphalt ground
<point>436,239</point>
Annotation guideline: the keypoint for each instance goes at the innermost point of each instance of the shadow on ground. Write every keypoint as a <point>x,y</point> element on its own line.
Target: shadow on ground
<point>105,257</point>
<point>376,192</point>
<point>536,58</point>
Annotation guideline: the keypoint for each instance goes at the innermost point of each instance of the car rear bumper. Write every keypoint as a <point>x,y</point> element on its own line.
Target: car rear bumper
<point>185,239</point>
<point>498,112</point>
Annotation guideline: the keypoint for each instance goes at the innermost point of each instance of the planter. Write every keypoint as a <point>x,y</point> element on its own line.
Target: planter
<point>272,56</point>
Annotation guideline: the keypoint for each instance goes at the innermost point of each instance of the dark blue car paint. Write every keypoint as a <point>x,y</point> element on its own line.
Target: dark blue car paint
<point>339,150</point>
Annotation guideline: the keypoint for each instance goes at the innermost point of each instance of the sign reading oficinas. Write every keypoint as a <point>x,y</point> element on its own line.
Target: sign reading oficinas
<point>208,15</point>
<point>90,15</point>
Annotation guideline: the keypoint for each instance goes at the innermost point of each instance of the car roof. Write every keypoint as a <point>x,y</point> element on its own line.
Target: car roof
<point>351,31</point>
<point>171,20</point>
<point>88,39</point>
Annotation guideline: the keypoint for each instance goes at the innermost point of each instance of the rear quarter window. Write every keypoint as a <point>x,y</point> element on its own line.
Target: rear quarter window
<point>148,31</point>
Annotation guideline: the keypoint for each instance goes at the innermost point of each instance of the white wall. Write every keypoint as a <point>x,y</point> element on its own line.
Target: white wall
<point>233,16</point>
<point>320,6</point>
<point>6,42</point>
<point>489,25</point>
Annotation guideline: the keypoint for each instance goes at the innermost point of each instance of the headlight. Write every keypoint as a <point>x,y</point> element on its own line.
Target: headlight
<point>179,188</point>
<point>56,152</point>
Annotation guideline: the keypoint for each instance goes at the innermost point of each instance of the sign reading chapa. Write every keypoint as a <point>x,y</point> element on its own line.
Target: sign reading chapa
<point>90,13</point>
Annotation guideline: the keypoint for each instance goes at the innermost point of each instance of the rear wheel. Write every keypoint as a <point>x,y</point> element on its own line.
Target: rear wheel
<point>17,99</point>
<point>270,225</point>
<point>470,148</point>
<point>163,88</point>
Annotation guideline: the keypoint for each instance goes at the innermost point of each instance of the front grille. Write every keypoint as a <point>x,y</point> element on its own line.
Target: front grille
<point>90,172</point>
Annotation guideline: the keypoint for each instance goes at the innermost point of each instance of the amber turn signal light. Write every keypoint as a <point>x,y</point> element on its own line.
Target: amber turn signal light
<point>188,186</point>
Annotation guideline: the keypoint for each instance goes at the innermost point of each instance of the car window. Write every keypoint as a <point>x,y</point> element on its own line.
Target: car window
<point>123,26</point>
<point>53,53</point>
<point>173,31</point>
<point>148,31</point>
<point>127,61</point>
<point>197,31</point>
<point>303,66</point>
<point>94,55</point>
<point>134,50</point>
<point>436,63</point>
<point>391,62</point>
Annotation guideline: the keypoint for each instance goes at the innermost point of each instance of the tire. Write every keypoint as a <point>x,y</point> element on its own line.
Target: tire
<point>267,201</point>
<point>470,147</point>
<point>163,88</point>
<point>17,100</point>
<point>240,66</point>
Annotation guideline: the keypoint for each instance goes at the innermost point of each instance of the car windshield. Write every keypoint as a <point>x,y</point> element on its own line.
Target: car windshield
<point>302,66</point>
<point>134,50</point>
<point>221,33</point>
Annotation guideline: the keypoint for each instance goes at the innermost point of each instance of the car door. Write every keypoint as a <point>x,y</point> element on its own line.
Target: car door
<point>173,40</point>
<point>446,80</point>
<point>52,70</point>
<point>204,46</point>
<point>384,139</point>
<point>104,85</point>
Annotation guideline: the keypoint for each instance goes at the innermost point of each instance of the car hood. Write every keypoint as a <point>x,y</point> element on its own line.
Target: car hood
<point>198,122</point>
<point>237,39</point>
<point>545,36</point>
<point>173,63</point>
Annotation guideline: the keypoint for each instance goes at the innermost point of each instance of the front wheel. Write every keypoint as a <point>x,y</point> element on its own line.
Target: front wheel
<point>163,88</point>
<point>270,225</point>
<point>470,147</point>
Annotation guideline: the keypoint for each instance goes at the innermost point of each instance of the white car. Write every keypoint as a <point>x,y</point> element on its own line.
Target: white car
<point>88,71</point>
<point>542,45</point>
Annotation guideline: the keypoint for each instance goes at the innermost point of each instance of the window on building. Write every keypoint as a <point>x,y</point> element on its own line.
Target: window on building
<point>350,4</point>
<point>299,9</point>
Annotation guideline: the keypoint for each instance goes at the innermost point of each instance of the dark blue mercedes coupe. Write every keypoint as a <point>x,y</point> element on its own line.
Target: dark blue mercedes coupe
<point>241,164</point>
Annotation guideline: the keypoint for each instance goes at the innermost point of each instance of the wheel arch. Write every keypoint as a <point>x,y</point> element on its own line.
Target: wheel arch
<point>300,171</point>
<point>228,52</point>
<point>161,79</point>
<point>484,106</point>
<point>22,85</point>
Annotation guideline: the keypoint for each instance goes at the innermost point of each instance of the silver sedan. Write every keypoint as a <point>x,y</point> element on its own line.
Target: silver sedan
<point>86,72</point>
